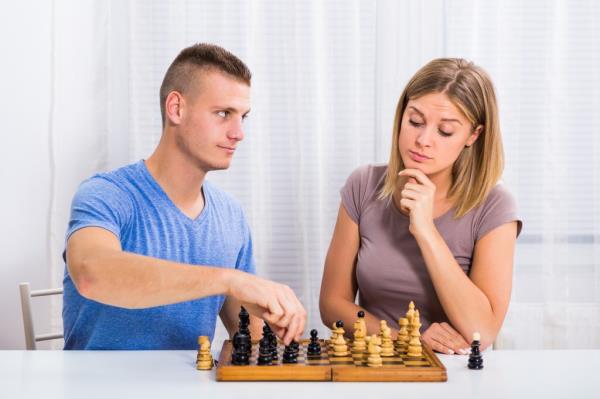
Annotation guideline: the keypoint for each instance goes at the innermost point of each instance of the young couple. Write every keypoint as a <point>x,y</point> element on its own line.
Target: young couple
<point>154,252</point>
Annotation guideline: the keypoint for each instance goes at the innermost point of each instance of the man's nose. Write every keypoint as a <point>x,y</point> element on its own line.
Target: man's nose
<point>236,130</point>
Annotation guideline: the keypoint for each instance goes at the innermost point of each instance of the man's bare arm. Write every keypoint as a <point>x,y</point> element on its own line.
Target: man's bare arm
<point>103,272</point>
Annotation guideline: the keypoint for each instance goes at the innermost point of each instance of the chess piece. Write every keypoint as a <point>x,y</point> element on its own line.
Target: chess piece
<point>244,323</point>
<point>242,345</point>
<point>272,341</point>
<point>264,351</point>
<point>362,322</point>
<point>475,358</point>
<point>339,346</point>
<point>374,359</point>
<point>359,345</point>
<point>337,329</point>
<point>204,360</point>
<point>409,316</point>
<point>414,345</point>
<point>242,336</point>
<point>296,346</point>
<point>387,347</point>
<point>333,335</point>
<point>314,347</point>
<point>290,354</point>
<point>403,337</point>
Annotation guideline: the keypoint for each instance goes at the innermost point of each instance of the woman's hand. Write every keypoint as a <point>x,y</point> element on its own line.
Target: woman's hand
<point>417,198</point>
<point>441,337</point>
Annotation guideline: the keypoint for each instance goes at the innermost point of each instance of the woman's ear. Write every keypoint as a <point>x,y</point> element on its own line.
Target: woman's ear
<point>473,137</point>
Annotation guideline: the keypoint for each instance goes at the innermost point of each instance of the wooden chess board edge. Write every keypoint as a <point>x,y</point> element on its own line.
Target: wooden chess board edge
<point>286,372</point>
<point>435,373</point>
<point>301,372</point>
<point>384,374</point>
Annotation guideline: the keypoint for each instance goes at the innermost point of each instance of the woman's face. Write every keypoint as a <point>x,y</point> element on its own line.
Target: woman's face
<point>433,133</point>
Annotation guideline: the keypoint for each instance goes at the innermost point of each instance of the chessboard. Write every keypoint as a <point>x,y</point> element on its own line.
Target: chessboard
<point>327,367</point>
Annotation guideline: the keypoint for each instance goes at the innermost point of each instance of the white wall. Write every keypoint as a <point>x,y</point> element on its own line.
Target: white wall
<point>25,84</point>
<point>53,118</point>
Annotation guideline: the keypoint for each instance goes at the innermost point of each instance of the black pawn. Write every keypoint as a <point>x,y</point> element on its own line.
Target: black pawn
<point>295,347</point>
<point>290,354</point>
<point>242,347</point>
<point>264,352</point>
<point>314,347</point>
<point>361,313</point>
<point>475,358</point>
<point>339,324</point>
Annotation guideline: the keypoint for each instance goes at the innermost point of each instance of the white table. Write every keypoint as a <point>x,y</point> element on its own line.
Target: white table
<point>172,374</point>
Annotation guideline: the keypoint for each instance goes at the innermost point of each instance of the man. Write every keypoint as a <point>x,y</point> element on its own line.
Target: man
<point>153,251</point>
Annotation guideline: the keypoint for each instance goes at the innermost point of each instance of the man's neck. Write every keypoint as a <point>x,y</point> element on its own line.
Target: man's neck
<point>179,179</point>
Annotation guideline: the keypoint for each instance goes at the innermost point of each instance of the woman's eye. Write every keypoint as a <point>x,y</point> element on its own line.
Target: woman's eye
<point>414,123</point>
<point>445,134</point>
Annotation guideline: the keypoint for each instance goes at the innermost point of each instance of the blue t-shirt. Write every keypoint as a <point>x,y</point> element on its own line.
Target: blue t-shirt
<point>130,203</point>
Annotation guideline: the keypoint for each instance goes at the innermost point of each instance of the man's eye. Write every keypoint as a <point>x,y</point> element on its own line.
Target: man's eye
<point>223,114</point>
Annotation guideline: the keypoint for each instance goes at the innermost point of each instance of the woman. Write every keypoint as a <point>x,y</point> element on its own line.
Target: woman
<point>433,225</point>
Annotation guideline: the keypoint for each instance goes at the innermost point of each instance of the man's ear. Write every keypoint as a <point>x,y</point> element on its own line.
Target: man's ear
<point>174,106</point>
<point>473,137</point>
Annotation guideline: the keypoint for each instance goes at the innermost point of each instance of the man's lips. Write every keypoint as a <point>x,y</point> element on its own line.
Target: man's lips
<point>227,148</point>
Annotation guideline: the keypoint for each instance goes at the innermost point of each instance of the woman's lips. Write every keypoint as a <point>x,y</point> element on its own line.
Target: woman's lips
<point>418,157</point>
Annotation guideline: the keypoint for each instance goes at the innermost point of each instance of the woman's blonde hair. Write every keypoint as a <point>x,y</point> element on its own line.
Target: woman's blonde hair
<point>479,166</point>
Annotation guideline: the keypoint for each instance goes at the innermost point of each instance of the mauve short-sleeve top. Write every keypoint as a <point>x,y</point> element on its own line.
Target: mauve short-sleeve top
<point>390,269</point>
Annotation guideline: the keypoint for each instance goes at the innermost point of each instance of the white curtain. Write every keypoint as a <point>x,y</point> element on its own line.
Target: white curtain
<point>544,58</point>
<point>327,75</point>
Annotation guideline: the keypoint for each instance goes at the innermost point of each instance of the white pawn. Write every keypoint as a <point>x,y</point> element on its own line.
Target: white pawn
<point>339,346</point>
<point>387,347</point>
<point>204,360</point>
<point>374,359</point>
<point>403,337</point>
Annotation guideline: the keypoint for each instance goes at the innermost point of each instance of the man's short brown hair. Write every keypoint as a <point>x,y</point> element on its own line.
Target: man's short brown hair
<point>200,56</point>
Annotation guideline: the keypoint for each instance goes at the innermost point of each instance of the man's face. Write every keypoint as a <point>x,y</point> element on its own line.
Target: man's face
<point>211,120</point>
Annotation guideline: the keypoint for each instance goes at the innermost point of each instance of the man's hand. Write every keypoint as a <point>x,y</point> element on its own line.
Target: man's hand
<point>273,302</point>
<point>441,337</point>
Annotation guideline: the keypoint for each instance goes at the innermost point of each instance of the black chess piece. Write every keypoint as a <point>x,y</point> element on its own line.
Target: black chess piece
<point>272,340</point>
<point>264,352</point>
<point>243,329</point>
<point>339,324</point>
<point>361,313</point>
<point>290,354</point>
<point>244,322</point>
<point>475,358</point>
<point>314,347</point>
<point>295,346</point>
<point>241,352</point>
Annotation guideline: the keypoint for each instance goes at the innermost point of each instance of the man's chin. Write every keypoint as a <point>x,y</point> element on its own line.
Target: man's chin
<point>220,166</point>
